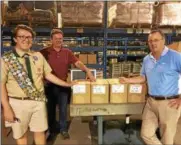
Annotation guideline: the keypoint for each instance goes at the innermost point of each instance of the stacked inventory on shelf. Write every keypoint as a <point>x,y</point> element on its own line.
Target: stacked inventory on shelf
<point>107,45</point>
<point>88,45</point>
<point>125,68</point>
<point>124,53</point>
<point>97,54</point>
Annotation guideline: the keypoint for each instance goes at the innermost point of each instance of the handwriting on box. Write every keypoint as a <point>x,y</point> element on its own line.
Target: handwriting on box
<point>137,89</point>
<point>99,89</point>
<point>117,88</point>
<point>79,89</point>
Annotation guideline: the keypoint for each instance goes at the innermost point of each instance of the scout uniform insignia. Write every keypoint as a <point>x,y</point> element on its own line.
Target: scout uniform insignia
<point>21,76</point>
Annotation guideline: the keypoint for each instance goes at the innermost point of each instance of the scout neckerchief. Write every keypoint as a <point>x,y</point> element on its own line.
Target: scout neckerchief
<point>20,75</point>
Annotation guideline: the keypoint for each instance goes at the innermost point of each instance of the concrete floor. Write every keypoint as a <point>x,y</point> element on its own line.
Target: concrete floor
<point>79,134</point>
<point>81,130</point>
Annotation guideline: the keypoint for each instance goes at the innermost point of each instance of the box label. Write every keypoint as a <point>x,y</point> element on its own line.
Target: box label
<point>117,88</point>
<point>79,89</point>
<point>137,89</point>
<point>99,89</point>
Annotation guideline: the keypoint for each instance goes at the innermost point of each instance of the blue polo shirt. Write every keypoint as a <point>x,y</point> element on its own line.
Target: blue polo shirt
<point>163,75</point>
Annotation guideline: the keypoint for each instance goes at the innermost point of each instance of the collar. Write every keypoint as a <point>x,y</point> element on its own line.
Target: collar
<point>21,53</point>
<point>52,49</point>
<point>164,52</point>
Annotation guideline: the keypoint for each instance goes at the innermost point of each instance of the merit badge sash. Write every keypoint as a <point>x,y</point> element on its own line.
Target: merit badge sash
<point>21,76</point>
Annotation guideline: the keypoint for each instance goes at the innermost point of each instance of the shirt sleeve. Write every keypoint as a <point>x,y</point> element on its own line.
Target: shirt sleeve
<point>4,72</point>
<point>178,62</point>
<point>143,73</point>
<point>72,58</point>
<point>45,53</point>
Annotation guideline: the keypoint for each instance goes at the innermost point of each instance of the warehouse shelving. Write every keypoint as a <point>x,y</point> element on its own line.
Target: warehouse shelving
<point>122,36</point>
<point>118,35</point>
<point>42,34</point>
<point>86,49</point>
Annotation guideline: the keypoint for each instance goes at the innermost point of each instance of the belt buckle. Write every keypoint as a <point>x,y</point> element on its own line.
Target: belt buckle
<point>22,98</point>
<point>165,98</point>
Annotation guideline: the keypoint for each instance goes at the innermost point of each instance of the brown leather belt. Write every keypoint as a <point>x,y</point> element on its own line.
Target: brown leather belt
<point>164,97</point>
<point>20,98</point>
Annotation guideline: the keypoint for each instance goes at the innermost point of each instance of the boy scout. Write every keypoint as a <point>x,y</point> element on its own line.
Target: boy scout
<point>23,99</point>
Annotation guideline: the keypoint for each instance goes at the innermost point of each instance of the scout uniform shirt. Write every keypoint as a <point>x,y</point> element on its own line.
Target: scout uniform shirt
<point>39,68</point>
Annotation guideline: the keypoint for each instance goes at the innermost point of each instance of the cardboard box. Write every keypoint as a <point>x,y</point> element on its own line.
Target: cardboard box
<point>137,93</point>
<point>100,91</point>
<point>83,58</point>
<point>118,92</point>
<point>175,46</point>
<point>81,93</point>
<point>92,59</point>
<point>3,12</point>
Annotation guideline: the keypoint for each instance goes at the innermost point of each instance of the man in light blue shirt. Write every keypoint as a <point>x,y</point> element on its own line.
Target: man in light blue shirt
<point>161,69</point>
<point>163,74</point>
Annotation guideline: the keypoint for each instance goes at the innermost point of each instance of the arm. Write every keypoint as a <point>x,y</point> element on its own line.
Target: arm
<point>7,110</point>
<point>52,78</point>
<point>178,62</point>
<point>4,94</point>
<point>81,66</point>
<point>74,60</point>
<point>176,103</point>
<point>134,80</point>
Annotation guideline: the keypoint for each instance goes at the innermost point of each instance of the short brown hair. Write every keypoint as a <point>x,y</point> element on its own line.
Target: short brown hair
<point>24,27</point>
<point>158,31</point>
<point>55,31</point>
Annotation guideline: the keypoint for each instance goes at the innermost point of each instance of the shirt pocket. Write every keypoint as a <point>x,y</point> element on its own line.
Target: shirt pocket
<point>38,72</point>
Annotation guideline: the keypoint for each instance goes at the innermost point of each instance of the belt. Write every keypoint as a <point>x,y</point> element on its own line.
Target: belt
<point>20,98</point>
<point>164,97</point>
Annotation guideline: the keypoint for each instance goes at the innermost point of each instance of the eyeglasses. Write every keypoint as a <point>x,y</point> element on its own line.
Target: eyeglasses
<point>155,40</point>
<point>25,37</point>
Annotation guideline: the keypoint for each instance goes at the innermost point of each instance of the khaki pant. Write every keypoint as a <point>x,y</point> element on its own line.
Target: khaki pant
<point>177,139</point>
<point>31,114</point>
<point>157,113</point>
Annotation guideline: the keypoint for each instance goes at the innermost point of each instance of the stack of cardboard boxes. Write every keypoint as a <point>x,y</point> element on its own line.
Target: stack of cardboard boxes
<point>105,91</point>
<point>87,58</point>
<point>175,46</point>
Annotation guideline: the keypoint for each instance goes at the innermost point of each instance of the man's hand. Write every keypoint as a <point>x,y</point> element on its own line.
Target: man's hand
<point>9,115</point>
<point>175,103</point>
<point>81,66</point>
<point>124,80</point>
<point>90,76</point>
<point>73,83</point>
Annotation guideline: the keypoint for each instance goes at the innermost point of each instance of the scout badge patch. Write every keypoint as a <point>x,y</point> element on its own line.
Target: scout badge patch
<point>20,75</point>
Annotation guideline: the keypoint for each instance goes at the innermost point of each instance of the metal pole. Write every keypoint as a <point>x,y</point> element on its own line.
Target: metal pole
<point>105,41</point>
<point>100,129</point>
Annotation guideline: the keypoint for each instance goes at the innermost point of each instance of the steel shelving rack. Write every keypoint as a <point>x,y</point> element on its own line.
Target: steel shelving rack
<point>73,32</point>
<point>107,34</point>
